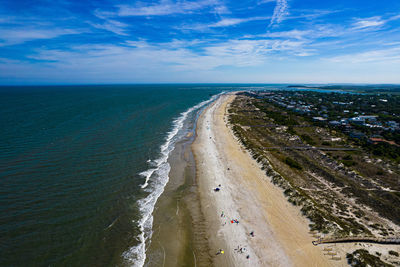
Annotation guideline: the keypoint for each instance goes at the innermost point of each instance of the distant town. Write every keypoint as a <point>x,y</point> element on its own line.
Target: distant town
<point>367,118</point>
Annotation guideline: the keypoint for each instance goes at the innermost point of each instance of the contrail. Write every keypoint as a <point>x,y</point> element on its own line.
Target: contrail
<point>279,12</point>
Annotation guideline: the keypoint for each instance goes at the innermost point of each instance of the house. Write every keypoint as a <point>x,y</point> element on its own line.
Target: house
<point>393,125</point>
<point>334,123</point>
<point>319,119</point>
<point>362,119</point>
<point>368,118</point>
<point>356,120</point>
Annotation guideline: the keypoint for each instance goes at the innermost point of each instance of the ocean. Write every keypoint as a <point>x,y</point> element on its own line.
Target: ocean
<point>81,169</point>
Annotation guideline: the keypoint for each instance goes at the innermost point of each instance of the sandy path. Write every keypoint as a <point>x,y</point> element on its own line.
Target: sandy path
<point>281,233</point>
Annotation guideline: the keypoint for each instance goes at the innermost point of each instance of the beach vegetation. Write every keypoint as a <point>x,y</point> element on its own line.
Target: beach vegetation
<point>393,253</point>
<point>306,138</point>
<point>256,126</point>
<point>362,258</point>
<point>292,163</point>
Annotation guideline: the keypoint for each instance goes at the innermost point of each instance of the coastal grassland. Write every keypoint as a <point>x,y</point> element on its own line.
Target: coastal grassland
<point>342,193</point>
<point>362,257</point>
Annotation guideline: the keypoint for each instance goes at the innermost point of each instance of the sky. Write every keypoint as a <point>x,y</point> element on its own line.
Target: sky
<point>203,41</point>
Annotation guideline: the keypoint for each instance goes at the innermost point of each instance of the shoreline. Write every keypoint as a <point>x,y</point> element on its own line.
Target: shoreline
<point>281,234</point>
<point>178,237</point>
<point>171,242</point>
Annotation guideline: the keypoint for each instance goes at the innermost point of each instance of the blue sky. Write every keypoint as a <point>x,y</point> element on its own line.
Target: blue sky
<point>260,41</point>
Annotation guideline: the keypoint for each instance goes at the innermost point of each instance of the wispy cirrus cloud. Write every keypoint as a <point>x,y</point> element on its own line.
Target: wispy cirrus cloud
<point>380,55</point>
<point>311,33</point>
<point>368,22</point>
<point>280,11</point>
<point>177,54</point>
<point>260,2</point>
<point>112,26</point>
<point>168,7</point>
<point>235,21</point>
<point>224,22</point>
<point>13,36</point>
<point>372,22</point>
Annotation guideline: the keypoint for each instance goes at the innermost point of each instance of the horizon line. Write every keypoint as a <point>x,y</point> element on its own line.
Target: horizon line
<point>193,83</point>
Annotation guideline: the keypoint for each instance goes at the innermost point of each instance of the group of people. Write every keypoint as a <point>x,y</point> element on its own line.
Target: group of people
<point>239,249</point>
<point>235,221</point>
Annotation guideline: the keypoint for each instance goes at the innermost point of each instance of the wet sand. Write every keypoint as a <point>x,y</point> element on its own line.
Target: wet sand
<point>281,234</point>
<point>179,237</point>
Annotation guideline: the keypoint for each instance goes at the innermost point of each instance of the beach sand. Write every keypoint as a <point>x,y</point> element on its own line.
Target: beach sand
<point>281,234</point>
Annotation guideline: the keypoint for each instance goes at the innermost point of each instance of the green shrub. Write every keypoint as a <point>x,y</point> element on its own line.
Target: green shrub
<point>393,253</point>
<point>292,163</point>
<point>361,257</point>
<point>348,157</point>
<point>291,130</point>
<point>306,138</point>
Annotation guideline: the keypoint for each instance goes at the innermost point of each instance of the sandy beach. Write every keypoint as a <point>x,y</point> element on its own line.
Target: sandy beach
<point>281,234</point>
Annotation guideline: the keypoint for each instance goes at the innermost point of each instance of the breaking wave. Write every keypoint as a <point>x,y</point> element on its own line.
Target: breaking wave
<point>156,178</point>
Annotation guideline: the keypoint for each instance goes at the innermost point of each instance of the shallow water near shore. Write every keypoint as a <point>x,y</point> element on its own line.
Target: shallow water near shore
<point>178,237</point>
<point>171,240</point>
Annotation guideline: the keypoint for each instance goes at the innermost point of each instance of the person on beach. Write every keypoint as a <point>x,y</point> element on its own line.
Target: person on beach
<point>252,233</point>
<point>220,251</point>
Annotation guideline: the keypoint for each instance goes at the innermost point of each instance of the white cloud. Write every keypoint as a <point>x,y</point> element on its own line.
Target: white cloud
<point>260,2</point>
<point>293,34</point>
<point>280,12</point>
<point>228,22</point>
<point>372,22</point>
<point>389,55</point>
<point>112,26</point>
<point>177,55</point>
<point>235,21</point>
<point>168,7</point>
<point>309,34</point>
<point>19,35</point>
<point>175,61</point>
<point>368,22</point>
<point>225,22</point>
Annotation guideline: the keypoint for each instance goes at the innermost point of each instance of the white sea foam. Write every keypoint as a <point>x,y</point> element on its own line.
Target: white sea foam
<point>147,174</point>
<point>155,180</point>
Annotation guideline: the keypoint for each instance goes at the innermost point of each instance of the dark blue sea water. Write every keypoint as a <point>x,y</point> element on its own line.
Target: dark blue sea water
<point>81,168</point>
